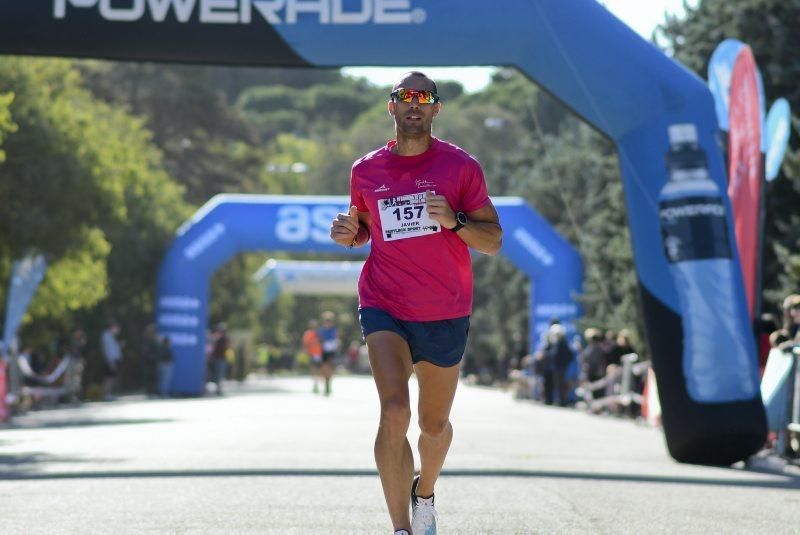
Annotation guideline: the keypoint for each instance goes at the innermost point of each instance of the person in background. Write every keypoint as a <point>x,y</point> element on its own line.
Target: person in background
<point>329,336</point>
<point>219,356</point>
<point>592,358</point>
<point>112,357</point>
<point>75,372</point>
<point>560,356</point>
<point>165,362</point>
<point>151,350</point>
<point>791,321</point>
<point>609,345</point>
<point>313,348</point>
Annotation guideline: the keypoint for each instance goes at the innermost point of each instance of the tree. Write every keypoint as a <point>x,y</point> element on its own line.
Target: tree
<point>207,145</point>
<point>83,184</point>
<point>7,126</point>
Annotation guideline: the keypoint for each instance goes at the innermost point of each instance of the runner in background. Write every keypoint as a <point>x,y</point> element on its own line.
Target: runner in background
<point>313,348</point>
<point>329,336</point>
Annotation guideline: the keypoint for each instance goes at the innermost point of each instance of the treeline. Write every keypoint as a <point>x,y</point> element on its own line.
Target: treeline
<point>101,162</point>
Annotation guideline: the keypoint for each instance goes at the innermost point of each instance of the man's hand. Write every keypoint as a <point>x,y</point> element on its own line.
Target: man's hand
<point>345,227</point>
<point>439,210</point>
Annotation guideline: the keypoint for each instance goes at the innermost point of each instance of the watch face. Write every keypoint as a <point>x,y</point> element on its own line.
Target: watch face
<point>461,217</point>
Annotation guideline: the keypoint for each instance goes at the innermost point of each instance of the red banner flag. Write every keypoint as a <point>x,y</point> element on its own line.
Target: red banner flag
<point>744,149</point>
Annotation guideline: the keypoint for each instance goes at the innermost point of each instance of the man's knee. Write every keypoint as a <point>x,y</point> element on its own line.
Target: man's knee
<point>396,414</point>
<point>433,427</point>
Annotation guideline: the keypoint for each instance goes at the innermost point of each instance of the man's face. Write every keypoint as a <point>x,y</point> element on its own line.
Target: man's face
<point>413,119</point>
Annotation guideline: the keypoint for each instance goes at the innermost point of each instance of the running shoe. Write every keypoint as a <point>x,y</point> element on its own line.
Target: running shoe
<point>423,513</point>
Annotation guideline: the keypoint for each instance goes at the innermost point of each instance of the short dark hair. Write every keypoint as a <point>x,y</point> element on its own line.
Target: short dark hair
<point>418,74</point>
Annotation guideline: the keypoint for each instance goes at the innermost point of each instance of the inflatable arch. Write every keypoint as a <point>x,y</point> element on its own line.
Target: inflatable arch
<point>686,259</point>
<point>230,224</point>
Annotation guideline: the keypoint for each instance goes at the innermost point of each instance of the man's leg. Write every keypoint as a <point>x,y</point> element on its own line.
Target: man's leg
<point>437,388</point>
<point>390,359</point>
<point>327,373</point>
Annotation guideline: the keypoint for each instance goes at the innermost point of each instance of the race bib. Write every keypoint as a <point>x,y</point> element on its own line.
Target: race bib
<point>406,217</point>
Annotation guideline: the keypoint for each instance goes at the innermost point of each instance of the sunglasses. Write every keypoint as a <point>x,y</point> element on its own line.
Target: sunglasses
<point>407,96</point>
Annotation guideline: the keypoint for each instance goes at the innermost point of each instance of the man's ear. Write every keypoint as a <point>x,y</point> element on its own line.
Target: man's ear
<point>390,107</point>
<point>437,107</point>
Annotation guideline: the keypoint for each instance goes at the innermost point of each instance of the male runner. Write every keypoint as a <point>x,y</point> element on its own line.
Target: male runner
<point>423,202</point>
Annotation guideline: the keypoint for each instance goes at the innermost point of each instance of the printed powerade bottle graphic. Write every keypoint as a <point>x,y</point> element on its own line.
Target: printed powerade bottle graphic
<point>716,352</point>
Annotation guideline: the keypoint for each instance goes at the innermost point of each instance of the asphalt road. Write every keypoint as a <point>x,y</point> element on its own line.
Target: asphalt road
<point>271,457</point>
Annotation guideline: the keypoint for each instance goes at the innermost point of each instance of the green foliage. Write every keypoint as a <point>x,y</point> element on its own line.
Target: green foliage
<point>233,81</point>
<point>76,281</point>
<point>7,126</point>
<point>83,184</point>
<point>316,111</point>
<point>235,299</point>
<point>576,186</point>
<point>770,28</point>
<point>207,145</point>
<point>60,174</point>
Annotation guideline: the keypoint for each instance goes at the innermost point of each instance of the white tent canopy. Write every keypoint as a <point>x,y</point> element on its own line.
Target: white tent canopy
<point>308,278</point>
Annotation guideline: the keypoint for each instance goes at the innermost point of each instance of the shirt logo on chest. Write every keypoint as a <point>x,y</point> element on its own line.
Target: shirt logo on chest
<point>425,183</point>
<point>381,189</point>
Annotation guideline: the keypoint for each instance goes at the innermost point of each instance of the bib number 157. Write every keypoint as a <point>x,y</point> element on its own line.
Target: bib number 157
<point>406,217</point>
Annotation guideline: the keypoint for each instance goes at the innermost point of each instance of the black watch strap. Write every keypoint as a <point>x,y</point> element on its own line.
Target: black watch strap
<point>461,220</point>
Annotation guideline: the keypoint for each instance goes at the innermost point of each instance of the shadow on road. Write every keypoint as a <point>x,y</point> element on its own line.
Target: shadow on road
<point>86,422</point>
<point>39,458</point>
<point>782,481</point>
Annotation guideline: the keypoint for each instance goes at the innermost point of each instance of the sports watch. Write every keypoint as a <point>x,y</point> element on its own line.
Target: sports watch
<point>461,220</point>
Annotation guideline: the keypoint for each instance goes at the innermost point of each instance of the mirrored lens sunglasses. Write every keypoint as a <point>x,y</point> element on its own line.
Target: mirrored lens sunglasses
<point>407,96</point>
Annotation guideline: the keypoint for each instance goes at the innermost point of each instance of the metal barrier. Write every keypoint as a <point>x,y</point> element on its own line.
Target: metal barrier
<point>616,387</point>
<point>62,384</point>
<point>785,440</point>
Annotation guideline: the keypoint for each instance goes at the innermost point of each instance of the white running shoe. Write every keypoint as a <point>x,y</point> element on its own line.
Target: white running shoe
<point>423,513</point>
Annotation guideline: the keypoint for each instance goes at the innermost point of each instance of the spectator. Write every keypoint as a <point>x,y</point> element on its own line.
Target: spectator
<point>219,355</point>
<point>622,345</point>
<point>593,357</point>
<point>75,372</point>
<point>329,336</point>
<point>112,357</point>
<point>560,356</point>
<point>78,343</point>
<point>151,351</point>
<point>165,362</point>
<point>313,348</point>
<point>779,337</point>
<point>791,321</point>
<point>791,306</point>
<point>523,381</point>
<point>609,345</point>
<point>543,373</point>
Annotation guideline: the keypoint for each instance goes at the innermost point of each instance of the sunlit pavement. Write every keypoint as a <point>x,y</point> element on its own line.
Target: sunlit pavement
<point>271,457</point>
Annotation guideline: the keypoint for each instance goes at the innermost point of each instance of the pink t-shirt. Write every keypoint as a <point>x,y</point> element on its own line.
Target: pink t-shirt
<point>416,270</point>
